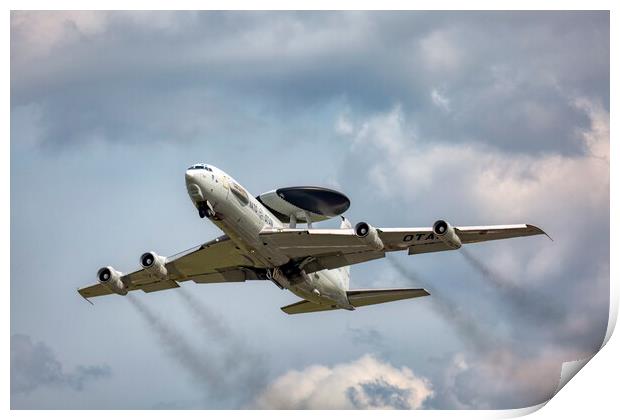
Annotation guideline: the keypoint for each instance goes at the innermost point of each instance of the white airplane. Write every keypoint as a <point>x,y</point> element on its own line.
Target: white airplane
<point>262,242</point>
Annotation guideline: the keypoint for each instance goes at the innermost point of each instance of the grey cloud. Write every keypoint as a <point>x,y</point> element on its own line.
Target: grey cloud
<point>507,85</point>
<point>369,336</point>
<point>34,365</point>
<point>378,394</point>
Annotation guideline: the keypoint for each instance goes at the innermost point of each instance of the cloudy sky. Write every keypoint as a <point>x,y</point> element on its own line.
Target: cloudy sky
<point>479,118</point>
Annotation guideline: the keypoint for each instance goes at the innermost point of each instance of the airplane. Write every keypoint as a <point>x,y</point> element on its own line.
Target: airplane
<point>263,242</point>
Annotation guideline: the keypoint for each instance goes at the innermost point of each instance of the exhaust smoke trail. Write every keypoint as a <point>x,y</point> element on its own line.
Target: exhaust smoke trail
<point>528,303</point>
<point>244,367</point>
<point>179,349</point>
<point>234,375</point>
<point>492,357</point>
<point>464,324</point>
<point>208,321</point>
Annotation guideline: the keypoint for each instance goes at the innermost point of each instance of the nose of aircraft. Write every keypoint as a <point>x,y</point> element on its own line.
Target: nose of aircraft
<point>190,176</point>
<point>193,185</point>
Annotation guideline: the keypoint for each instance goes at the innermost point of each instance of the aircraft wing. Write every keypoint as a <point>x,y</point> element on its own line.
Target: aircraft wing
<point>217,261</point>
<point>333,248</point>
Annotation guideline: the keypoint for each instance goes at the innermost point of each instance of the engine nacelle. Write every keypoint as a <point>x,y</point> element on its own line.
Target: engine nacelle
<point>446,234</point>
<point>154,265</point>
<point>369,234</point>
<point>111,279</point>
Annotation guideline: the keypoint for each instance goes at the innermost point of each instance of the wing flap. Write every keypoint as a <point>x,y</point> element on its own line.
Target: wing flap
<point>235,275</point>
<point>424,248</point>
<point>159,285</point>
<point>210,258</point>
<point>297,243</point>
<point>473,234</point>
<point>94,291</point>
<point>100,290</point>
<point>330,262</point>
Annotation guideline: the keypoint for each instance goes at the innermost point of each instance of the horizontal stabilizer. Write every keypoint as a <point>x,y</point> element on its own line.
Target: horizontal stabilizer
<point>358,298</point>
<point>305,306</point>
<point>364,297</point>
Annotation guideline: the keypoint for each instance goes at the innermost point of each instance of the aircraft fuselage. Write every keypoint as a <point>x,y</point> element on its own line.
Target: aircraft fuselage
<point>242,217</point>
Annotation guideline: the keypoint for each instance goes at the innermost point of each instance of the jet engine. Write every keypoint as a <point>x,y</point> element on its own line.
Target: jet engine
<point>111,279</point>
<point>446,234</point>
<point>369,234</point>
<point>154,265</point>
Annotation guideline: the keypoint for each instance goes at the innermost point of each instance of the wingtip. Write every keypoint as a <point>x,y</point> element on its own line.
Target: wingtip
<point>85,298</point>
<point>539,231</point>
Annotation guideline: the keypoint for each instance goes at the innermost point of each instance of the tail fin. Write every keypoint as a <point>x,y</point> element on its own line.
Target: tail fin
<point>346,270</point>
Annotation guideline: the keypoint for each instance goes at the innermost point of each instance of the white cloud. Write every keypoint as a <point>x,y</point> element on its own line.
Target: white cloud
<point>383,131</point>
<point>596,138</point>
<point>363,383</point>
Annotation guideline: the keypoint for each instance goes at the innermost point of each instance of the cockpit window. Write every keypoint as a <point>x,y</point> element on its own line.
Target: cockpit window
<point>200,166</point>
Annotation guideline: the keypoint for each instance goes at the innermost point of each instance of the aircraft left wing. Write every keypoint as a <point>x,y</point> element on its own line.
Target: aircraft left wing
<point>319,249</point>
<point>213,262</point>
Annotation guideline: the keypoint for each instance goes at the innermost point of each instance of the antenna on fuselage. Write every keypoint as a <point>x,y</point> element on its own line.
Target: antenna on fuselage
<point>293,220</point>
